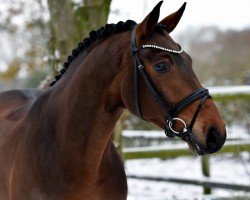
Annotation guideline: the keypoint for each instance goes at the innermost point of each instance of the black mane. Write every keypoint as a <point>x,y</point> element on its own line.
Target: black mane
<point>105,31</point>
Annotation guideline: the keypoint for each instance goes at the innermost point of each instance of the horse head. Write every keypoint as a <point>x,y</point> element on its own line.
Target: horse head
<point>166,90</point>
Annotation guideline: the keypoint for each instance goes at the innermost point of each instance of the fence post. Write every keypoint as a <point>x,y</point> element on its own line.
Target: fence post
<point>205,172</point>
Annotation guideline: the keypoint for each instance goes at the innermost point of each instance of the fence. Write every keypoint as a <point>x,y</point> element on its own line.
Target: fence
<point>219,94</point>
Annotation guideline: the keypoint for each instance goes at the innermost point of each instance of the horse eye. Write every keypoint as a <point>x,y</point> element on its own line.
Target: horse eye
<point>161,67</point>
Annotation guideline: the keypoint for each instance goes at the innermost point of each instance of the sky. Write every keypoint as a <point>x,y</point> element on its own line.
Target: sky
<point>226,14</point>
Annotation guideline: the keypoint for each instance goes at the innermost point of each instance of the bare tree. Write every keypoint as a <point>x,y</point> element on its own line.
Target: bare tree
<point>71,22</point>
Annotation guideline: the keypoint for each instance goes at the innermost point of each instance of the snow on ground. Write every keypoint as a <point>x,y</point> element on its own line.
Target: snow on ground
<point>224,168</point>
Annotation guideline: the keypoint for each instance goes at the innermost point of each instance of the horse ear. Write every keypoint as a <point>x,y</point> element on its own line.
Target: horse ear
<point>146,27</point>
<point>172,20</point>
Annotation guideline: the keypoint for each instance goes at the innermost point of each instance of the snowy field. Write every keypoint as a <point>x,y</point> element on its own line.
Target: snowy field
<point>226,168</point>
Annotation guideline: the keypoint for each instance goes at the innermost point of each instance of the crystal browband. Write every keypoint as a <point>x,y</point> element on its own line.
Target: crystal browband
<point>161,48</point>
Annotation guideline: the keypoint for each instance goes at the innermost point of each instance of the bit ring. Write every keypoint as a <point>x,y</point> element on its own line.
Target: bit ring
<point>170,124</point>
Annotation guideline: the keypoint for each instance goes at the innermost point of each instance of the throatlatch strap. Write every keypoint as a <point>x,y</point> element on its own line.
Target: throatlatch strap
<point>137,103</point>
<point>136,99</point>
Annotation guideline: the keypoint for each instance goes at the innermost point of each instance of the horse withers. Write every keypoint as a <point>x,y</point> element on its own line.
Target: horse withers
<point>56,144</point>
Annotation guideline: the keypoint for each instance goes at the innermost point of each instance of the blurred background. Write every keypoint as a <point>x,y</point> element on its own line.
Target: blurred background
<point>37,36</point>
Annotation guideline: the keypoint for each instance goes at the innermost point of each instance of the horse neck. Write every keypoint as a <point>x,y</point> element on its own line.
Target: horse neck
<point>88,103</point>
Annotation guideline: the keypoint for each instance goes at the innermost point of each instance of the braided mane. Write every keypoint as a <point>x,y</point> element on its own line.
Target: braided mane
<point>105,31</point>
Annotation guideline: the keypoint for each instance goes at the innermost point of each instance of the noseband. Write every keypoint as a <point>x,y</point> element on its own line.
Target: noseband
<point>171,113</point>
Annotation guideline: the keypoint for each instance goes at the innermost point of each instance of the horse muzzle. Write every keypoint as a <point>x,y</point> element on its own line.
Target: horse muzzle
<point>214,141</point>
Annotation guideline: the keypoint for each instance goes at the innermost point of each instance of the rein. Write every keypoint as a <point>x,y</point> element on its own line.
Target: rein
<point>171,113</point>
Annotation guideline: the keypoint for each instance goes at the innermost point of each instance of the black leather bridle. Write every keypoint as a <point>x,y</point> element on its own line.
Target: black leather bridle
<point>171,113</point>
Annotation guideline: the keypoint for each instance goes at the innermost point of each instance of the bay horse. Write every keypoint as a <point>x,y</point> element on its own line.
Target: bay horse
<point>56,144</point>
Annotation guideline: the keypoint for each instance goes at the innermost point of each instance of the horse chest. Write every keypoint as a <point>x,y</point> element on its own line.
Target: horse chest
<point>110,188</point>
<point>110,182</point>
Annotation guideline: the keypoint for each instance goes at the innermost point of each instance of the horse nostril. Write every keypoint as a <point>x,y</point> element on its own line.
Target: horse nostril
<point>213,141</point>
